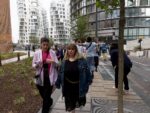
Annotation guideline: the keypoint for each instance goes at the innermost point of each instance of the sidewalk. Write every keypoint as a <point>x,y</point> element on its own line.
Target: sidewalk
<point>15,58</point>
<point>102,98</point>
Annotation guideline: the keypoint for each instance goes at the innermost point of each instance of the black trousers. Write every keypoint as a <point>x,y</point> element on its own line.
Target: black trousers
<point>125,78</point>
<point>96,61</point>
<point>45,92</point>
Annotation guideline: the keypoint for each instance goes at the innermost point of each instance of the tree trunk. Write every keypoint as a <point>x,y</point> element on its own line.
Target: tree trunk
<point>121,59</point>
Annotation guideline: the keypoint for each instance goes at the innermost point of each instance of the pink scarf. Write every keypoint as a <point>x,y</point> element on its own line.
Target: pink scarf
<point>46,55</point>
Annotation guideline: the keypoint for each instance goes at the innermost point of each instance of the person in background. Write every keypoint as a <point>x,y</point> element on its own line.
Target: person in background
<point>127,66</point>
<point>45,62</point>
<point>61,49</point>
<point>90,53</point>
<point>80,47</point>
<point>74,77</point>
<point>96,55</point>
<point>104,49</point>
<point>57,50</point>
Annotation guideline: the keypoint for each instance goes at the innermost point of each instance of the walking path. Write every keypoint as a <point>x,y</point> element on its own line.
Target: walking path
<point>102,98</point>
<point>15,59</point>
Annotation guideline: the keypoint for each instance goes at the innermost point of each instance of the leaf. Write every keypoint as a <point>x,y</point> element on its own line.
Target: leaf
<point>35,92</point>
<point>19,100</point>
<point>107,5</point>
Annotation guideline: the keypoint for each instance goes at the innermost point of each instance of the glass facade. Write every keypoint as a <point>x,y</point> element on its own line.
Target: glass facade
<point>137,13</point>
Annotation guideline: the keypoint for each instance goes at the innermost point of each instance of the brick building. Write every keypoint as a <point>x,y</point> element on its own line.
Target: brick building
<point>5,27</point>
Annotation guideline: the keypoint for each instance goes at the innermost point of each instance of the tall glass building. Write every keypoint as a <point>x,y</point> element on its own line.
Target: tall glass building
<point>137,14</point>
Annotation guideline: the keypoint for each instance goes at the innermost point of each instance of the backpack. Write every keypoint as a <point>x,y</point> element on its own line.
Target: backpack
<point>127,62</point>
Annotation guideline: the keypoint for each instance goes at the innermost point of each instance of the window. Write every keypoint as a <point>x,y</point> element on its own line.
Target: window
<point>101,16</point>
<point>134,31</point>
<point>141,31</point>
<point>115,14</point>
<point>143,2</point>
<point>130,22</point>
<point>130,2</point>
<point>130,32</point>
<point>147,31</point>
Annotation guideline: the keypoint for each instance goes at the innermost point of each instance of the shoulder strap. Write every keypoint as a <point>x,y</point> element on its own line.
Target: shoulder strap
<point>89,45</point>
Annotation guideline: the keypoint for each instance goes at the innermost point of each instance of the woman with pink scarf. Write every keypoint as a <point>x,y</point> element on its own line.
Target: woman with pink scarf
<point>45,63</point>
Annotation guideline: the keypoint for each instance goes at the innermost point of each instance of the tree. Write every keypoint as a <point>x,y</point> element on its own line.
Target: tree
<point>79,31</point>
<point>51,42</point>
<point>33,40</point>
<point>108,5</point>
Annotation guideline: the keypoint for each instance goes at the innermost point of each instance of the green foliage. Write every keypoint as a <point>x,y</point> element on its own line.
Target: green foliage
<point>34,40</point>
<point>11,55</point>
<point>79,31</point>
<point>19,100</point>
<point>107,5</point>
<point>1,72</point>
<point>51,42</point>
<point>35,92</point>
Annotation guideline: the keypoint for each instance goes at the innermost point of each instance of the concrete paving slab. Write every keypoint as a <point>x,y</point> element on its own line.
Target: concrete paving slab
<point>101,89</point>
<point>103,105</point>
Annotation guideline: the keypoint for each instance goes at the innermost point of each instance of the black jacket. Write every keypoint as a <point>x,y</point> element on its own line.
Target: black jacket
<point>114,59</point>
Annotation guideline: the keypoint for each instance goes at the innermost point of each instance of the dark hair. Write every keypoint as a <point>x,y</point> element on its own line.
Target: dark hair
<point>89,39</point>
<point>113,46</point>
<point>44,39</point>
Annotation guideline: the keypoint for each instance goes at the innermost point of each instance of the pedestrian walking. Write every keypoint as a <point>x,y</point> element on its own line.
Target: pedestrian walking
<point>74,77</point>
<point>45,62</point>
<point>90,53</point>
<point>96,55</point>
<point>104,48</point>
<point>127,66</point>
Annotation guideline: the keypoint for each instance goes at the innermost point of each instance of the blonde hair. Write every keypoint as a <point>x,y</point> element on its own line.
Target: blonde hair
<point>74,47</point>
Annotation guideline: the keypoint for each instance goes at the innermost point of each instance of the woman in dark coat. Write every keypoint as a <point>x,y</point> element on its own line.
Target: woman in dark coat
<point>75,78</point>
<point>127,66</point>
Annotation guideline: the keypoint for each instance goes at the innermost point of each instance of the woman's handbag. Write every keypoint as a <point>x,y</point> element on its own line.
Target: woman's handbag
<point>37,78</point>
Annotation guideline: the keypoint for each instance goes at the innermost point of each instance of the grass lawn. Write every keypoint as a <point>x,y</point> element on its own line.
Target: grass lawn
<point>11,55</point>
<point>18,93</point>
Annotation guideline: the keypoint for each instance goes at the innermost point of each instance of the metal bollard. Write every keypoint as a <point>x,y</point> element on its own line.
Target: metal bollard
<point>28,54</point>
<point>18,56</point>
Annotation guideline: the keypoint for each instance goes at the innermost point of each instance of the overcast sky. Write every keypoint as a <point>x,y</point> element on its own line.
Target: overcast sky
<point>14,16</point>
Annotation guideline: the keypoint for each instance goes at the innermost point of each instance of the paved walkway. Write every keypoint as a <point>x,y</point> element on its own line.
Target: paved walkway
<point>101,89</point>
<point>15,58</point>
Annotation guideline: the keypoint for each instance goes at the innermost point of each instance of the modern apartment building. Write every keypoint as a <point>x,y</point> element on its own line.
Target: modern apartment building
<point>137,14</point>
<point>32,20</point>
<point>43,23</point>
<point>59,27</point>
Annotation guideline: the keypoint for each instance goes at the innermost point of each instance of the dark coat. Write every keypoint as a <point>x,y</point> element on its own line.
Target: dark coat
<point>84,76</point>
<point>114,59</point>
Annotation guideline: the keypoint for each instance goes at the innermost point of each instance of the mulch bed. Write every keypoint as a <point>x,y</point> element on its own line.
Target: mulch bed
<point>18,93</point>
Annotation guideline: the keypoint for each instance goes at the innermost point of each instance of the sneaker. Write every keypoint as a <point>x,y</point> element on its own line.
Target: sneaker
<point>113,87</point>
<point>116,89</point>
